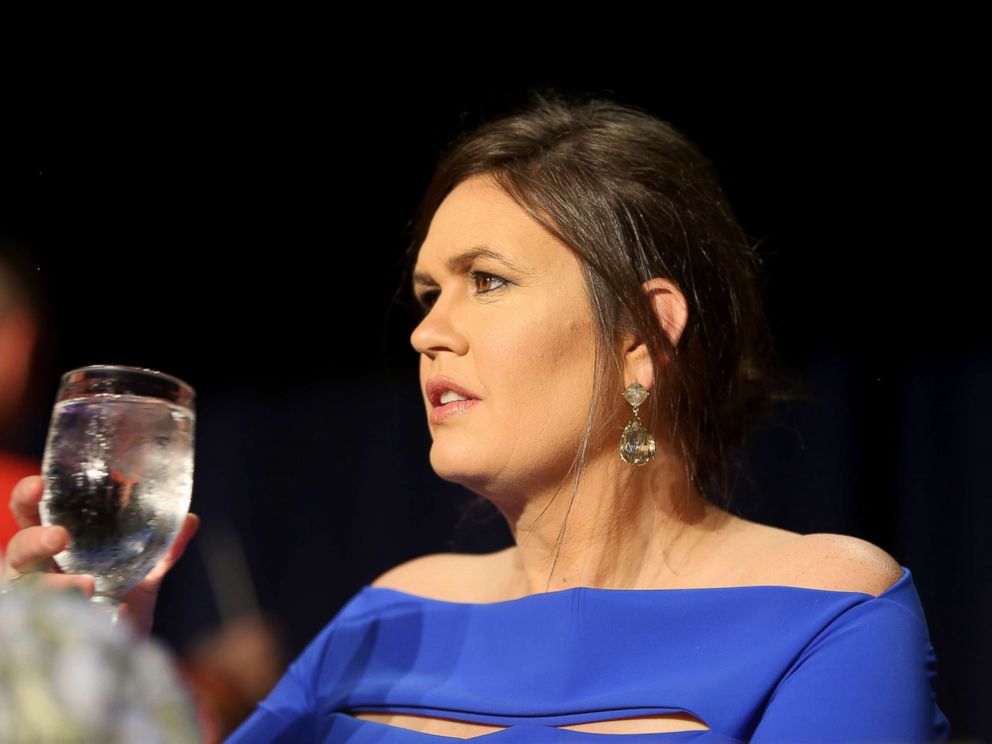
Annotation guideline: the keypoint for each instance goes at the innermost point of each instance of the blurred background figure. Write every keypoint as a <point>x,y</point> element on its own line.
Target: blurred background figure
<point>27,349</point>
<point>232,668</point>
<point>234,662</point>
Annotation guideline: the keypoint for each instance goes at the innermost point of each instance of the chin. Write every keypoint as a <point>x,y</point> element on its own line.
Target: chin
<point>451,457</point>
<point>456,465</point>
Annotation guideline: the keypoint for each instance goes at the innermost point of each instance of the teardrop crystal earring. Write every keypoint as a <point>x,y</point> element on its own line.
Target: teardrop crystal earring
<point>636,443</point>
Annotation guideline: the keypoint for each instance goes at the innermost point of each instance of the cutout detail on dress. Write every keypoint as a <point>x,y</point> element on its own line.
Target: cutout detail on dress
<point>430,724</point>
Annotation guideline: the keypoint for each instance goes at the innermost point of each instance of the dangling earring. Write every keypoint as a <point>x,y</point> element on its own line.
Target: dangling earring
<point>636,442</point>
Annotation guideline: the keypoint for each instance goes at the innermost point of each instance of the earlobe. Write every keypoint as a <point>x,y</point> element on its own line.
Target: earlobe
<point>639,368</point>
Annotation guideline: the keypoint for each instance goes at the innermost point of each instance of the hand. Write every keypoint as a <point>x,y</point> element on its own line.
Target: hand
<point>31,549</point>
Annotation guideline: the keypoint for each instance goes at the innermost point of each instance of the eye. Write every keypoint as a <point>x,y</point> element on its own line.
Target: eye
<point>476,275</point>
<point>427,299</point>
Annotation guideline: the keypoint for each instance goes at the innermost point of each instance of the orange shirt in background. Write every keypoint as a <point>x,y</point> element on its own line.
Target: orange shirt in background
<point>12,469</point>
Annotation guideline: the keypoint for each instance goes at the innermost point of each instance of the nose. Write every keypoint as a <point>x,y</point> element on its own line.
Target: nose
<point>436,331</point>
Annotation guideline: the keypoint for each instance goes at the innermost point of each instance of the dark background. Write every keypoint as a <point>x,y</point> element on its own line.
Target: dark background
<point>242,230</point>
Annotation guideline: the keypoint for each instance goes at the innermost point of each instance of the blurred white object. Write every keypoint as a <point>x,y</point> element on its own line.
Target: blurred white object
<point>68,675</point>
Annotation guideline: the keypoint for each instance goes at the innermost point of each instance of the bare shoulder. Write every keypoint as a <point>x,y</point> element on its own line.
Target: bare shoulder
<point>836,562</point>
<point>436,575</point>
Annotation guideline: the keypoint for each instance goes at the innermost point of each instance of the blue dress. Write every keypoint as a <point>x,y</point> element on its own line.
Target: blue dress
<point>754,663</point>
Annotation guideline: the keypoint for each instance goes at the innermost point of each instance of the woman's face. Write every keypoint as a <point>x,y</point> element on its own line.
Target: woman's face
<point>521,339</point>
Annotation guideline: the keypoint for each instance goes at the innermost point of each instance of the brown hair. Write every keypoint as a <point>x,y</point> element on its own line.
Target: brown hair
<point>635,199</point>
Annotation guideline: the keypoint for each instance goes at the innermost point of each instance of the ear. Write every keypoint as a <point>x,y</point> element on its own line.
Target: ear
<point>672,312</point>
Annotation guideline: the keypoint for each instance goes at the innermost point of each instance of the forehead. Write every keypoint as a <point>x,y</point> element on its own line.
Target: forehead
<point>478,219</point>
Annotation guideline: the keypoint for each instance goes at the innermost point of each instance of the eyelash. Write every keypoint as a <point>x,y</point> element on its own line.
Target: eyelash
<point>426,299</point>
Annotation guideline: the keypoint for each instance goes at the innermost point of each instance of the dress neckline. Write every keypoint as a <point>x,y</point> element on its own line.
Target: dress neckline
<point>621,593</point>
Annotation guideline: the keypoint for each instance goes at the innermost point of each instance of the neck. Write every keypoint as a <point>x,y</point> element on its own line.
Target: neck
<point>649,535</point>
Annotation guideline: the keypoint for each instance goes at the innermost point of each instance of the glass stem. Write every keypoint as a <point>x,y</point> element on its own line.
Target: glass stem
<point>108,604</point>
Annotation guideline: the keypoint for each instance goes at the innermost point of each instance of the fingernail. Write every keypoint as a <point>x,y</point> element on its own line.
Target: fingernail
<point>51,539</point>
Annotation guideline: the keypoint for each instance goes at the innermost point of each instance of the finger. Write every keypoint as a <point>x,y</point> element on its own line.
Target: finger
<point>189,528</point>
<point>32,548</point>
<point>138,610</point>
<point>84,583</point>
<point>191,525</point>
<point>24,500</point>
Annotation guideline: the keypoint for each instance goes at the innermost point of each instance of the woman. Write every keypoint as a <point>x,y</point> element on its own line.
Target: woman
<point>590,317</point>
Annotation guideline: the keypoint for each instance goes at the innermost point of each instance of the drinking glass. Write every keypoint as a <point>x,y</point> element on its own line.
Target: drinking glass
<point>118,471</point>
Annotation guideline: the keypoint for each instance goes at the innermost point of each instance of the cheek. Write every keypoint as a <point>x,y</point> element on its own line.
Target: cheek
<point>540,373</point>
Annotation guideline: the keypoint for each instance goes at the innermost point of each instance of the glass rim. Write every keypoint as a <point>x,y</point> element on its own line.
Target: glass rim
<point>130,368</point>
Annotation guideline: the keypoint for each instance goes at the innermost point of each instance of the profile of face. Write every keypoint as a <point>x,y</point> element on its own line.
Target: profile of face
<point>518,333</point>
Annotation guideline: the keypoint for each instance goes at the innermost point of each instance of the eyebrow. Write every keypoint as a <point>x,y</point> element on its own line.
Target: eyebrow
<point>466,257</point>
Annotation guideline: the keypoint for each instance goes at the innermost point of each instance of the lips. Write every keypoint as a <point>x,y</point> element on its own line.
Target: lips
<point>439,384</point>
<point>454,408</point>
